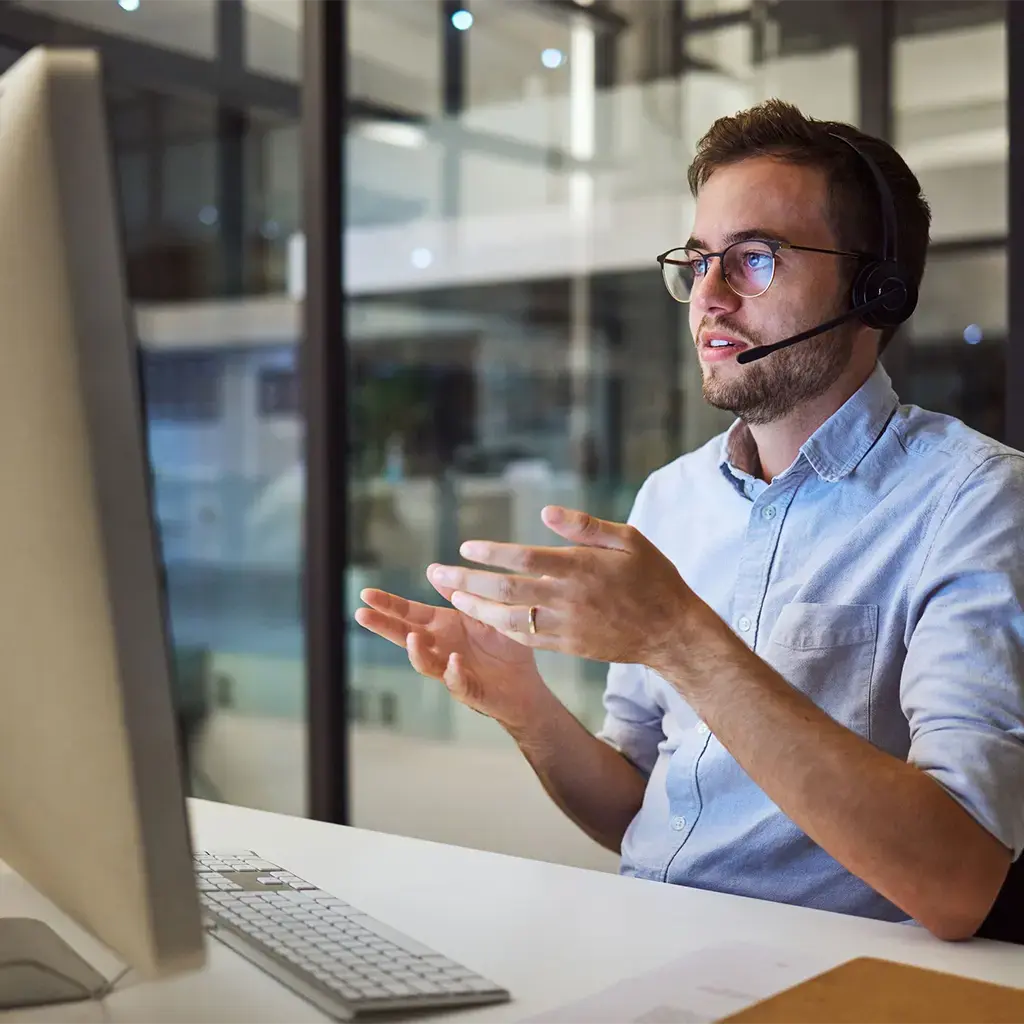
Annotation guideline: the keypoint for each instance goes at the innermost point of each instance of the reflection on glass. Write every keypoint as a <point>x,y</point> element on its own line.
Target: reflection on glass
<point>956,341</point>
<point>950,124</point>
<point>394,55</point>
<point>224,427</point>
<point>950,96</point>
<point>188,28</point>
<point>520,69</point>
<point>273,37</point>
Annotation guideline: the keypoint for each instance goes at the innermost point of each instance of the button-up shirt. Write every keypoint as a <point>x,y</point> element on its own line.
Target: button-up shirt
<point>881,575</point>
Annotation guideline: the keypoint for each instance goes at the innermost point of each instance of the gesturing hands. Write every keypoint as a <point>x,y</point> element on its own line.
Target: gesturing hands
<point>482,668</point>
<point>612,597</point>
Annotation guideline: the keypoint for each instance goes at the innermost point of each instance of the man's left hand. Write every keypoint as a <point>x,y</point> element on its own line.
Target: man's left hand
<point>613,596</point>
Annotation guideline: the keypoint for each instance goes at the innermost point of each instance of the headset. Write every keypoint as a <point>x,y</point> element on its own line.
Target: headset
<point>884,294</point>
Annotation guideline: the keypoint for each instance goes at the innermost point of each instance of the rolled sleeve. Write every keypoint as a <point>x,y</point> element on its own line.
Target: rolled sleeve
<point>633,722</point>
<point>962,688</point>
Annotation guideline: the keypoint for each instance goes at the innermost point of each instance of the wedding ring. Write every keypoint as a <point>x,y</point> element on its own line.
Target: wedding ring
<point>532,618</point>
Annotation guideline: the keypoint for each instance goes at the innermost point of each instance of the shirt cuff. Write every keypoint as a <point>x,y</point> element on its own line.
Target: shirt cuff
<point>637,743</point>
<point>976,770</point>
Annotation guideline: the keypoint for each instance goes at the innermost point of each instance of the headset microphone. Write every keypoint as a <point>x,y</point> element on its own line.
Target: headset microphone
<point>750,354</point>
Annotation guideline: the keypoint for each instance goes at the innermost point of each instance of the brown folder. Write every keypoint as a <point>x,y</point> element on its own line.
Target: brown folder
<point>871,991</point>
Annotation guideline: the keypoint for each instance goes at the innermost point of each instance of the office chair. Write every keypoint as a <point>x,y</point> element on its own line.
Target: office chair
<point>1005,921</point>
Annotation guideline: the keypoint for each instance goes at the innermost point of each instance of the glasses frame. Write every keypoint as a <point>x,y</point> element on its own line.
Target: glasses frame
<point>773,244</point>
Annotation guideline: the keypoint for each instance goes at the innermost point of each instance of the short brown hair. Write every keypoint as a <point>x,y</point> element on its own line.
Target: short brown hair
<point>776,128</point>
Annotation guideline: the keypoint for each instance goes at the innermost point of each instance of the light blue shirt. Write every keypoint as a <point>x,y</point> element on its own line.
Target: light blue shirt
<point>881,574</point>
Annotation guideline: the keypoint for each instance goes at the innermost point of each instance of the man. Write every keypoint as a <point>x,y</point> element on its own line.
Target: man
<point>813,622</point>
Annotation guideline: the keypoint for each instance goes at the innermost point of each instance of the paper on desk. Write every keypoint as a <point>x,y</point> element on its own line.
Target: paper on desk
<point>702,986</point>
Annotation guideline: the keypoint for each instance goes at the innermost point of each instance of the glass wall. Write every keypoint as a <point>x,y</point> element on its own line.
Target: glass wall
<point>511,339</point>
<point>950,122</point>
<point>206,152</point>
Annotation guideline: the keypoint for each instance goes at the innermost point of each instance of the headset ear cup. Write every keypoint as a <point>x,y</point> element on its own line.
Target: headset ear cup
<point>877,278</point>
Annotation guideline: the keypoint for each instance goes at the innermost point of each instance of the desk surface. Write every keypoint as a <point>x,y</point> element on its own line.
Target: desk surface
<point>550,934</point>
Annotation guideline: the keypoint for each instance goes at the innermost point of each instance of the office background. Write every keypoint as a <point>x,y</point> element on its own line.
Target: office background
<point>506,171</point>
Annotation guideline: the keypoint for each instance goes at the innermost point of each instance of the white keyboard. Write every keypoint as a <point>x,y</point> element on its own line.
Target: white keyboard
<point>343,961</point>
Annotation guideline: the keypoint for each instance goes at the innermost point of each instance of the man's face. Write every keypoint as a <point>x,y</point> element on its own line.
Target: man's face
<point>783,202</point>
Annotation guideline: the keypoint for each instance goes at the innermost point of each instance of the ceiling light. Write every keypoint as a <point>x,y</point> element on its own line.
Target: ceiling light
<point>422,258</point>
<point>128,5</point>
<point>462,20</point>
<point>552,58</point>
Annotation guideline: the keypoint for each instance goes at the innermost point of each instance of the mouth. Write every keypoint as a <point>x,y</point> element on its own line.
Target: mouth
<point>718,347</point>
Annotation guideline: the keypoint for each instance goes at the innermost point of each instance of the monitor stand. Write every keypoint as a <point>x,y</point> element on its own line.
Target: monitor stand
<point>38,968</point>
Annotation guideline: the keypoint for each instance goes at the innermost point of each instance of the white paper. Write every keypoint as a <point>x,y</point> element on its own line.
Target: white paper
<point>702,986</point>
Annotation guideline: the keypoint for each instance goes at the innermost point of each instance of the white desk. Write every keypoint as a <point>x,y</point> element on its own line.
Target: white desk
<point>550,934</point>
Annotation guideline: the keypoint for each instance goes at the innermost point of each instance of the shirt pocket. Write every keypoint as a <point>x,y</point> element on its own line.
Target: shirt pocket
<point>827,652</point>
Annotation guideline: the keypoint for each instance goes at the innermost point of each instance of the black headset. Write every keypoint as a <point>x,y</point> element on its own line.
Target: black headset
<point>885,284</point>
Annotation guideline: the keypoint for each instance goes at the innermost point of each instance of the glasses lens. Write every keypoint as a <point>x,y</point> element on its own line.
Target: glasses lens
<point>749,268</point>
<point>678,269</point>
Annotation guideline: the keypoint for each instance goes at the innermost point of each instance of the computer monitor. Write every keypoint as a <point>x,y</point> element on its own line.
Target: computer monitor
<point>91,804</point>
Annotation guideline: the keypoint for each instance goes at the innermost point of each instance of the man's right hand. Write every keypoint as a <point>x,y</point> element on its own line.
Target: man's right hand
<point>481,668</point>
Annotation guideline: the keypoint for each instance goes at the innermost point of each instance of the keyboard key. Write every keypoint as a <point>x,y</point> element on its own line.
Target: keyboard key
<point>348,992</point>
<point>385,932</point>
<point>326,940</point>
<point>426,988</point>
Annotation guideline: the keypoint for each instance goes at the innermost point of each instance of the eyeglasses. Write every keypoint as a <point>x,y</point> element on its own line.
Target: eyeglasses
<point>748,266</point>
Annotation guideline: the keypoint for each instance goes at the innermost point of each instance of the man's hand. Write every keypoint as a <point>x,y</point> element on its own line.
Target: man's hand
<point>481,668</point>
<point>595,786</point>
<point>612,597</point>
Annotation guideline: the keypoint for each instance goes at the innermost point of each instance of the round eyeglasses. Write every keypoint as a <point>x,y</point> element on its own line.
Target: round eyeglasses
<point>748,266</point>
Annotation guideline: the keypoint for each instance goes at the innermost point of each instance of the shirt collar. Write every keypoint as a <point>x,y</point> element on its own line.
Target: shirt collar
<point>836,448</point>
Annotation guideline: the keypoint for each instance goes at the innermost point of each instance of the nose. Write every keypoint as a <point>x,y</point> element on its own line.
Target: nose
<point>711,294</point>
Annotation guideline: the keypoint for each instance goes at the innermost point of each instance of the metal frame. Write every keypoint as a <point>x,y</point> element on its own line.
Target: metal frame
<point>875,21</point>
<point>324,389</point>
<point>232,124</point>
<point>453,102</point>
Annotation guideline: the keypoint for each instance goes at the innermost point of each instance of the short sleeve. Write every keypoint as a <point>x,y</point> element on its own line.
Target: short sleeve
<point>632,723</point>
<point>962,688</point>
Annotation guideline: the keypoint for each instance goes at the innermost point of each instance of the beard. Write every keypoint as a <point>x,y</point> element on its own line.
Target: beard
<point>771,388</point>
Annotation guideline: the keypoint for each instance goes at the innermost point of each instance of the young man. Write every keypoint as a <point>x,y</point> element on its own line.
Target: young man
<point>814,621</point>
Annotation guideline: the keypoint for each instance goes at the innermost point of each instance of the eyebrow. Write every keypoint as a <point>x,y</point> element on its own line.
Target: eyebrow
<point>739,236</point>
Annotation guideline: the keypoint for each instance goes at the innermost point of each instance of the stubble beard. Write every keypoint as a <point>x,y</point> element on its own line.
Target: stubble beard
<point>770,388</point>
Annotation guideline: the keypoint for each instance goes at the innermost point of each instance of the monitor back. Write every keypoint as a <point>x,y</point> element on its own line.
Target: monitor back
<point>91,804</point>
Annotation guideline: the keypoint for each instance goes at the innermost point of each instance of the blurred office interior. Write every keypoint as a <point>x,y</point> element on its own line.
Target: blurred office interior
<point>511,168</point>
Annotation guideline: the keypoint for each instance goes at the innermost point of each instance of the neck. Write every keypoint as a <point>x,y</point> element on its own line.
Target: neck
<point>778,443</point>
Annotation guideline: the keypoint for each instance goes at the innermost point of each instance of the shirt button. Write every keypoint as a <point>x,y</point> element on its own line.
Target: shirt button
<point>768,512</point>
<point>702,729</point>
<point>744,624</point>
<point>678,823</point>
